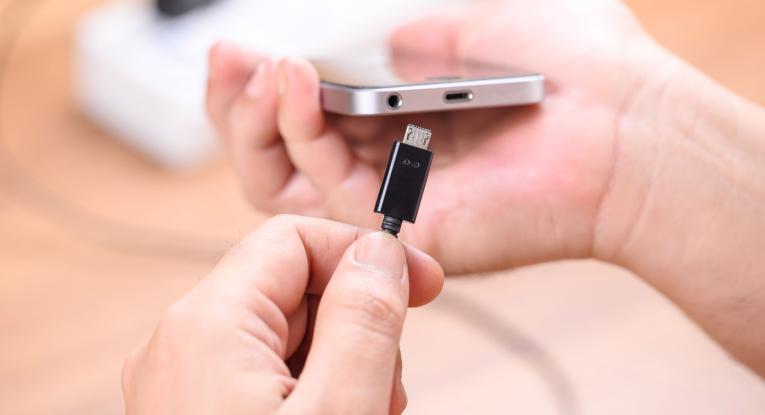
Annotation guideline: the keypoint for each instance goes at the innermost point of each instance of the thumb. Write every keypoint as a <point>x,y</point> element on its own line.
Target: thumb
<point>432,36</point>
<point>351,364</point>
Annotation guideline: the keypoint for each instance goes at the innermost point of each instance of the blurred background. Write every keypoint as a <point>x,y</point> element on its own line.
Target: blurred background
<point>114,201</point>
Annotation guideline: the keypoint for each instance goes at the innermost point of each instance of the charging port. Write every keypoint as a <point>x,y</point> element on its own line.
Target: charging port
<point>458,96</point>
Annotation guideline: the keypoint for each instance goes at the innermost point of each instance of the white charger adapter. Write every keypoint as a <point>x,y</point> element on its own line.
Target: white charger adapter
<point>142,76</point>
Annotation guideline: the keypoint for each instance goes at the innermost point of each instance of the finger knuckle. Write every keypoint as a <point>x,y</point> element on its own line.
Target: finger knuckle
<point>282,221</point>
<point>276,227</point>
<point>177,314</point>
<point>256,198</point>
<point>175,323</point>
<point>375,310</point>
<point>398,404</point>
<point>127,375</point>
<point>129,367</point>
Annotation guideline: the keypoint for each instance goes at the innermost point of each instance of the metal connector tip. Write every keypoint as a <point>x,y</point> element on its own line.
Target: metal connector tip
<point>417,136</point>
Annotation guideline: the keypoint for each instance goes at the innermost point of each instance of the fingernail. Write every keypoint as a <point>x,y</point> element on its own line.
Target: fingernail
<point>382,252</point>
<point>288,71</point>
<point>259,80</point>
<point>282,76</point>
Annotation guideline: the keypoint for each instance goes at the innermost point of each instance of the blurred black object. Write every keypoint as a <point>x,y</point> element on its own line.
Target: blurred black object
<point>172,8</point>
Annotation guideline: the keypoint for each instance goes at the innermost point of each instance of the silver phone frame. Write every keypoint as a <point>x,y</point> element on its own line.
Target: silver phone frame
<point>429,97</point>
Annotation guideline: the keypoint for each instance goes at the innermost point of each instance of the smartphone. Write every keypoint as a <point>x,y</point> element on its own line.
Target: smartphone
<point>411,84</point>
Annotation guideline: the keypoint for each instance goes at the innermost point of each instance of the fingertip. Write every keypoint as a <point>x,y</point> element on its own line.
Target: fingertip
<point>426,277</point>
<point>229,71</point>
<point>300,67</point>
<point>253,113</point>
<point>261,81</point>
<point>215,59</point>
<point>218,50</point>
<point>298,77</point>
<point>226,59</point>
<point>221,47</point>
<point>431,36</point>
<point>300,114</point>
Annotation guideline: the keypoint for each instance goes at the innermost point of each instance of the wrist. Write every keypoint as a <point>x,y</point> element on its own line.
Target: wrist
<point>688,153</point>
<point>685,207</point>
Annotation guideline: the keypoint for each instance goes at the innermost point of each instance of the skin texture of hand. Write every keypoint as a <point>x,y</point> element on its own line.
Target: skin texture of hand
<point>238,341</point>
<point>634,157</point>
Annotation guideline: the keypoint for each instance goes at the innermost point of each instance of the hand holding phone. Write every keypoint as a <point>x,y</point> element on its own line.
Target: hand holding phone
<point>510,185</point>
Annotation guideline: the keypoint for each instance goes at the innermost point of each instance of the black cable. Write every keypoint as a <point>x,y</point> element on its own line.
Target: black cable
<point>514,342</point>
<point>391,225</point>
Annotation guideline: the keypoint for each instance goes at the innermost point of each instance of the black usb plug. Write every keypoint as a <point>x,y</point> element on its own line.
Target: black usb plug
<point>404,179</point>
<point>175,8</point>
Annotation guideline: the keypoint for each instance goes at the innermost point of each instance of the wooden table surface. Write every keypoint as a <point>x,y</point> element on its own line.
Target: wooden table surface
<point>95,242</point>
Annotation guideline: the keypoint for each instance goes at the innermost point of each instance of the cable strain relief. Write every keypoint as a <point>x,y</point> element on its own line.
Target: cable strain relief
<point>391,225</point>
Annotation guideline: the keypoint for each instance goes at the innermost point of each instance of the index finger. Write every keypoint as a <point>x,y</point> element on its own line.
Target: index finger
<point>229,69</point>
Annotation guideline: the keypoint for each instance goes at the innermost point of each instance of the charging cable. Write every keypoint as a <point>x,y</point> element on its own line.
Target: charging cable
<point>404,180</point>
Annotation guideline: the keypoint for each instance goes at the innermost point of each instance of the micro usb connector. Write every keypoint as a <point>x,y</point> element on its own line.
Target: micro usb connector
<point>404,179</point>
<point>417,136</point>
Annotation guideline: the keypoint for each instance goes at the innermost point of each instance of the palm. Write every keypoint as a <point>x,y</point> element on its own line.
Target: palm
<point>517,185</point>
